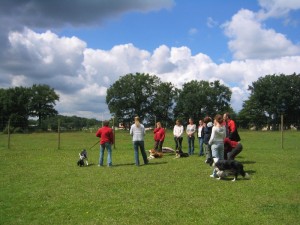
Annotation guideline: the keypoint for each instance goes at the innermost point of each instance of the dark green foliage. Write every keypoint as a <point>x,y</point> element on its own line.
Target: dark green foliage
<point>19,103</point>
<point>270,97</point>
<point>200,98</point>
<point>142,95</point>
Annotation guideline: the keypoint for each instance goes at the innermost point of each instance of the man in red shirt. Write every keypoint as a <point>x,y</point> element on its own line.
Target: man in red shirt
<point>106,140</point>
<point>231,129</point>
<point>231,148</point>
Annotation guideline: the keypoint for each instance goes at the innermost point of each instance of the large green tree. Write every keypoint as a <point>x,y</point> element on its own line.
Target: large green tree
<point>19,103</point>
<point>42,102</point>
<point>200,98</point>
<point>15,106</point>
<point>163,106</point>
<point>270,97</point>
<point>140,94</point>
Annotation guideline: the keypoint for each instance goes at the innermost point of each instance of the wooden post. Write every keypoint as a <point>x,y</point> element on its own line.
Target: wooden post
<point>281,131</point>
<point>58,131</point>
<point>8,133</point>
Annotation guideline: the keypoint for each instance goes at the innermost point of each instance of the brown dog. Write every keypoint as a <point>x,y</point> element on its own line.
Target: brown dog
<point>154,154</point>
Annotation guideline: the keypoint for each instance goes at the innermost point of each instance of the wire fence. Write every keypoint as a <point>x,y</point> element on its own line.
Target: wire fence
<point>63,127</point>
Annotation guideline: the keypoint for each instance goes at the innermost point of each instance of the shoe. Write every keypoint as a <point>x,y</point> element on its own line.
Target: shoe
<point>213,176</point>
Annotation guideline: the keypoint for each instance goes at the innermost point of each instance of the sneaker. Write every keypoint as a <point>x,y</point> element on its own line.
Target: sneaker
<point>213,176</point>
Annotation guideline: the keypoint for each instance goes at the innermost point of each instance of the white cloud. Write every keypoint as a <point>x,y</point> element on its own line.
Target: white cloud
<point>83,88</point>
<point>250,40</point>
<point>193,31</point>
<point>47,54</point>
<point>277,8</point>
<point>211,22</point>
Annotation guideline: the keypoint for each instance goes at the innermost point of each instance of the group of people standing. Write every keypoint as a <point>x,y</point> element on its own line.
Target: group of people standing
<point>218,138</point>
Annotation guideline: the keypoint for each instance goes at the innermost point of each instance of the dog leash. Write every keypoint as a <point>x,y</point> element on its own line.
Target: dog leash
<point>94,145</point>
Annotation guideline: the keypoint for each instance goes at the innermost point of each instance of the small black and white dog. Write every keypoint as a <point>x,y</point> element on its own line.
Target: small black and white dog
<point>83,158</point>
<point>180,154</point>
<point>232,166</point>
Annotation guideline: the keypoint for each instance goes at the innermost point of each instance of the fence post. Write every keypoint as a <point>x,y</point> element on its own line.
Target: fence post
<point>8,133</point>
<point>281,131</point>
<point>58,131</point>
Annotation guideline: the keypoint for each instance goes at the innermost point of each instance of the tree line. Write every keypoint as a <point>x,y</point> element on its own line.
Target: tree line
<point>18,104</point>
<point>153,100</point>
<point>33,108</point>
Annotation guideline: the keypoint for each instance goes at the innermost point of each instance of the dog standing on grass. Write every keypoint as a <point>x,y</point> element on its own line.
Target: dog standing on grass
<point>231,166</point>
<point>83,159</point>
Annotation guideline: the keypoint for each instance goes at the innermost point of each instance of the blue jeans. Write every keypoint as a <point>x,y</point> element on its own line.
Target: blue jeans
<point>191,141</point>
<point>201,146</point>
<point>136,146</point>
<point>207,150</point>
<point>106,145</point>
<point>217,151</point>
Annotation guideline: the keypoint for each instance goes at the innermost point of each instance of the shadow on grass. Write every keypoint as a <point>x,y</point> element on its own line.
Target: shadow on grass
<point>250,172</point>
<point>238,179</point>
<point>151,163</point>
<point>123,164</point>
<point>248,162</point>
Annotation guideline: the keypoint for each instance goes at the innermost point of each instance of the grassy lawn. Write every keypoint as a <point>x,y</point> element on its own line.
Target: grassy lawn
<point>43,185</point>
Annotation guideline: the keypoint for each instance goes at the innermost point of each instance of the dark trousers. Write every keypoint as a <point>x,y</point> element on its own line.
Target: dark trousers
<point>158,146</point>
<point>234,152</point>
<point>178,142</point>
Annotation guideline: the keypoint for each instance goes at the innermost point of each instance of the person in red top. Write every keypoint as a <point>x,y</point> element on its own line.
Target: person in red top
<point>231,148</point>
<point>231,129</point>
<point>159,137</point>
<point>106,140</point>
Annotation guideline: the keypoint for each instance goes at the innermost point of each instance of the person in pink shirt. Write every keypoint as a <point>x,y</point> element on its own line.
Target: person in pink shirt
<point>159,137</point>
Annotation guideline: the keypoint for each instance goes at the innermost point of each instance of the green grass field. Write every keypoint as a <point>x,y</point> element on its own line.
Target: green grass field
<point>43,185</point>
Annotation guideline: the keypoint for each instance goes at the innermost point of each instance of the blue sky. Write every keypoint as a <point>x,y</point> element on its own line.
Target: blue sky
<point>80,49</point>
<point>185,24</point>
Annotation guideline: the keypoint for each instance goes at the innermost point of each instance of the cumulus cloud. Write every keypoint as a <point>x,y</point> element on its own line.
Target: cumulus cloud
<point>250,40</point>
<point>81,75</point>
<point>82,85</point>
